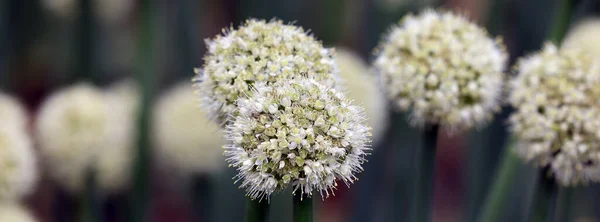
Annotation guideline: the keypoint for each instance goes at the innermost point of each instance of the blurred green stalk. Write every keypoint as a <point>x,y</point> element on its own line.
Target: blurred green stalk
<point>140,195</point>
<point>89,205</point>
<point>563,204</point>
<point>425,176</point>
<point>84,55</point>
<point>202,193</point>
<point>257,211</point>
<point>562,18</point>
<point>303,208</point>
<point>495,202</point>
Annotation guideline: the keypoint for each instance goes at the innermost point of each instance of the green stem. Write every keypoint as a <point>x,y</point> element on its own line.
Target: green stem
<point>563,204</point>
<point>202,191</point>
<point>85,49</point>
<point>544,198</point>
<point>303,208</point>
<point>495,202</point>
<point>562,17</point>
<point>425,176</point>
<point>90,209</point>
<point>140,195</point>
<point>257,211</point>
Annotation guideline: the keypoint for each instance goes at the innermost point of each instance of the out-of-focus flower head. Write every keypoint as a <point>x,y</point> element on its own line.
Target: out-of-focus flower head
<point>258,52</point>
<point>297,132</point>
<point>584,36</point>
<point>443,68</point>
<point>363,88</point>
<point>557,105</point>
<point>114,162</point>
<point>72,125</point>
<point>13,212</point>
<point>187,141</point>
<point>18,172</point>
<point>109,11</point>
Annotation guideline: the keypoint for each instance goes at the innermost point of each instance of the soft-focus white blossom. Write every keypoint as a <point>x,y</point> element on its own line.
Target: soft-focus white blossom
<point>13,212</point>
<point>258,52</point>
<point>114,161</point>
<point>296,132</point>
<point>584,36</point>
<point>187,141</point>
<point>443,68</point>
<point>557,113</point>
<point>18,172</point>
<point>72,125</point>
<point>363,89</point>
<point>109,11</point>
<point>12,112</point>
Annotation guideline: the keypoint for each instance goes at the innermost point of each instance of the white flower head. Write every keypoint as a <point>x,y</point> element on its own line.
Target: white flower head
<point>109,11</point>
<point>14,212</point>
<point>557,105</point>
<point>363,88</point>
<point>297,132</point>
<point>258,52</point>
<point>18,172</point>
<point>443,68</point>
<point>12,112</point>
<point>584,36</point>
<point>186,140</point>
<point>114,162</point>
<point>71,126</point>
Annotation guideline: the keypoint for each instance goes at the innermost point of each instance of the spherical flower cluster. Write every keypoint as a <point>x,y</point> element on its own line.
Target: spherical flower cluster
<point>110,11</point>
<point>297,132</point>
<point>584,36</point>
<point>363,89</point>
<point>18,172</point>
<point>12,212</point>
<point>443,68</point>
<point>258,52</point>
<point>71,126</point>
<point>187,142</point>
<point>557,102</point>
<point>114,162</point>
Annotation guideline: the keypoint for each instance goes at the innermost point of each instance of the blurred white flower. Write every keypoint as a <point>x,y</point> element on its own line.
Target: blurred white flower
<point>13,212</point>
<point>114,162</point>
<point>443,68</point>
<point>363,88</point>
<point>61,8</point>
<point>557,109</point>
<point>72,125</point>
<point>18,172</point>
<point>584,36</point>
<point>258,52</point>
<point>296,132</point>
<point>186,141</point>
<point>12,112</point>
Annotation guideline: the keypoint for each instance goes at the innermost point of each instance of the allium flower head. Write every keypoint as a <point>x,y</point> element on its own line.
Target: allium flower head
<point>557,102</point>
<point>186,140</point>
<point>13,212</point>
<point>12,112</point>
<point>296,132</point>
<point>18,172</point>
<point>443,68</point>
<point>363,88</point>
<point>258,52</point>
<point>109,11</point>
<point>584,36</point>
<point>114,161</point>
<point>71,126</point>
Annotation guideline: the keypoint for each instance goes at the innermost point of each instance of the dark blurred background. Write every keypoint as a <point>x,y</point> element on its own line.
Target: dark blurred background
<point>48,44</point>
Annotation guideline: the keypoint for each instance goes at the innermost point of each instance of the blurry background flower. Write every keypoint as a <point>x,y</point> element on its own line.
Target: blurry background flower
<point>363,89</point>
<point>71,126</point>
<point>256,52</point>
<point>109,11</point>
<point>186,140</point>
<point>584,36</point>
<point>18,172</point>
<point>114,161</point>
<point>13,212</point>
<point>443,68</point>
<point>557,104</point>
<point>296,132</point>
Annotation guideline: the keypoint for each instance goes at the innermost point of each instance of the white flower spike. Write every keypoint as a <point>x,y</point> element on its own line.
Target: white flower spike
<point>443,68</point>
